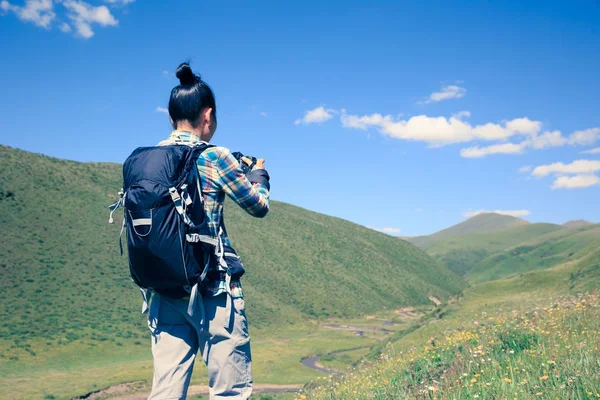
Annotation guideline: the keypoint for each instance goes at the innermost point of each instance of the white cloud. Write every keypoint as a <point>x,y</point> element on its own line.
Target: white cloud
<point>84,15</point>
<point>525,169</point>
<point>119,2</point>
<point>38,12</point>
<point>511,213</point>
<point>162,110</point>
<point>576,167</point>
<point>439,131</point>
<point>446,93</point>
<point>585,137</point>
<point>576,181</point>
<point>389,231</point>
<point>524,125</point>
<point>462,114</point>
<point>579,174</point>
<point>316,116</point>
<point>505,148</point>
<point>547,139</point>
<point>592,151</point>
<point>81,15</point>
<point>263,114</point>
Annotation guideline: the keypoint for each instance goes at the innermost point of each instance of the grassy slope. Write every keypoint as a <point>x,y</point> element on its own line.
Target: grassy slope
<point>579,223</point>
<point>534,345</point>
<point>461,253</point>
<point>543,252</point>
<point>69,305</point>
<point>325,266</point>
<point>494,254</point>
<point>487,222</point>
<point>549,351</point>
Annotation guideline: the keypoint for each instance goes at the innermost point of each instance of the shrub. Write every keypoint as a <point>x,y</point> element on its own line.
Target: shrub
<point>518,340</point>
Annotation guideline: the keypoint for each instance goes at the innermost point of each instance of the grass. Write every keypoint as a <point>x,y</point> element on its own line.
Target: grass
<point>78,371</point>
<point>514,349</point>
<point>276,360</point>
<point>494,341</point>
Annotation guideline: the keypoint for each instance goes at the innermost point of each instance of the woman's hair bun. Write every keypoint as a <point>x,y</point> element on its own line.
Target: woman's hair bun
<point>185,75</point>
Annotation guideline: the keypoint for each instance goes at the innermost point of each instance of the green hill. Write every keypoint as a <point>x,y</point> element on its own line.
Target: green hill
<point>64,284</point>
<point>578,223</point>
<point>484,222</point>
<point>491,255</point>
<point>527,336</point>
<point>461,253</point>
<point>538,253</point>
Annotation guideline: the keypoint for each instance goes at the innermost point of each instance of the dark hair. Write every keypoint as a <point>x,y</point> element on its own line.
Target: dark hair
<point>190,97</point>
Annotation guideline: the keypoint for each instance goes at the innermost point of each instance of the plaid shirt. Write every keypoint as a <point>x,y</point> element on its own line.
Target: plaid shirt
<point>221,175</point>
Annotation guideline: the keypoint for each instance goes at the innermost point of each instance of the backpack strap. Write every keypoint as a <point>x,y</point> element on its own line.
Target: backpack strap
<point>146,295</point>
<point>194,296</point>
<point>113,207</point>
<point>187,200</point>
<point>180,205</point>
<point>220,251</point>
<point>182,199</point>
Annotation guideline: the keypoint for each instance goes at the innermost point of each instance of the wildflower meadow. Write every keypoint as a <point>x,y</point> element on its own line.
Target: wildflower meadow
<point>549,352</point>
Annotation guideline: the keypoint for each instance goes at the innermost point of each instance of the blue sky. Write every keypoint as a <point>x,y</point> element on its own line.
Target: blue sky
<point>407,116</point>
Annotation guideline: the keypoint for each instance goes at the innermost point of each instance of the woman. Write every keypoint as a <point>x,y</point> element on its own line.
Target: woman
<point>223,340</point>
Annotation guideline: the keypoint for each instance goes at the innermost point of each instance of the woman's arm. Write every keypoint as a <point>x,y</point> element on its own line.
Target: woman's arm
<point>252,197</point>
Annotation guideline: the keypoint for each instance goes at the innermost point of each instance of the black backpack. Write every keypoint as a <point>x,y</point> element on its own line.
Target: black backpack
<point>168,243</point>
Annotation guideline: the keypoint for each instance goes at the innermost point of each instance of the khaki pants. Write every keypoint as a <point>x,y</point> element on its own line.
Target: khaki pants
<point>223,341</point>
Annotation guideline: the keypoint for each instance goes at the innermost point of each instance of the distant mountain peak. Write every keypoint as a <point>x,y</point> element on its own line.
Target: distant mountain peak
<point>577,223</point>
<point>481,222</point>
<point>496,214</point>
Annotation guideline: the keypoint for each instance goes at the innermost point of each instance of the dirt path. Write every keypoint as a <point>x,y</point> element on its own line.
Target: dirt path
<point>408,313</point>
<point>358,331</point>
<point>435,300</point>
<point>124,391</point>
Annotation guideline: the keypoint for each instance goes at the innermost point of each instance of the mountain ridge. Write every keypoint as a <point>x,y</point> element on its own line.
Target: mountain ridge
<point>483,222</point>
<point>577,223</point>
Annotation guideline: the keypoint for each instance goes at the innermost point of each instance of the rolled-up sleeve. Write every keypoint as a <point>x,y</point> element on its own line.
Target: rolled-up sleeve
<point>254,198</point>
